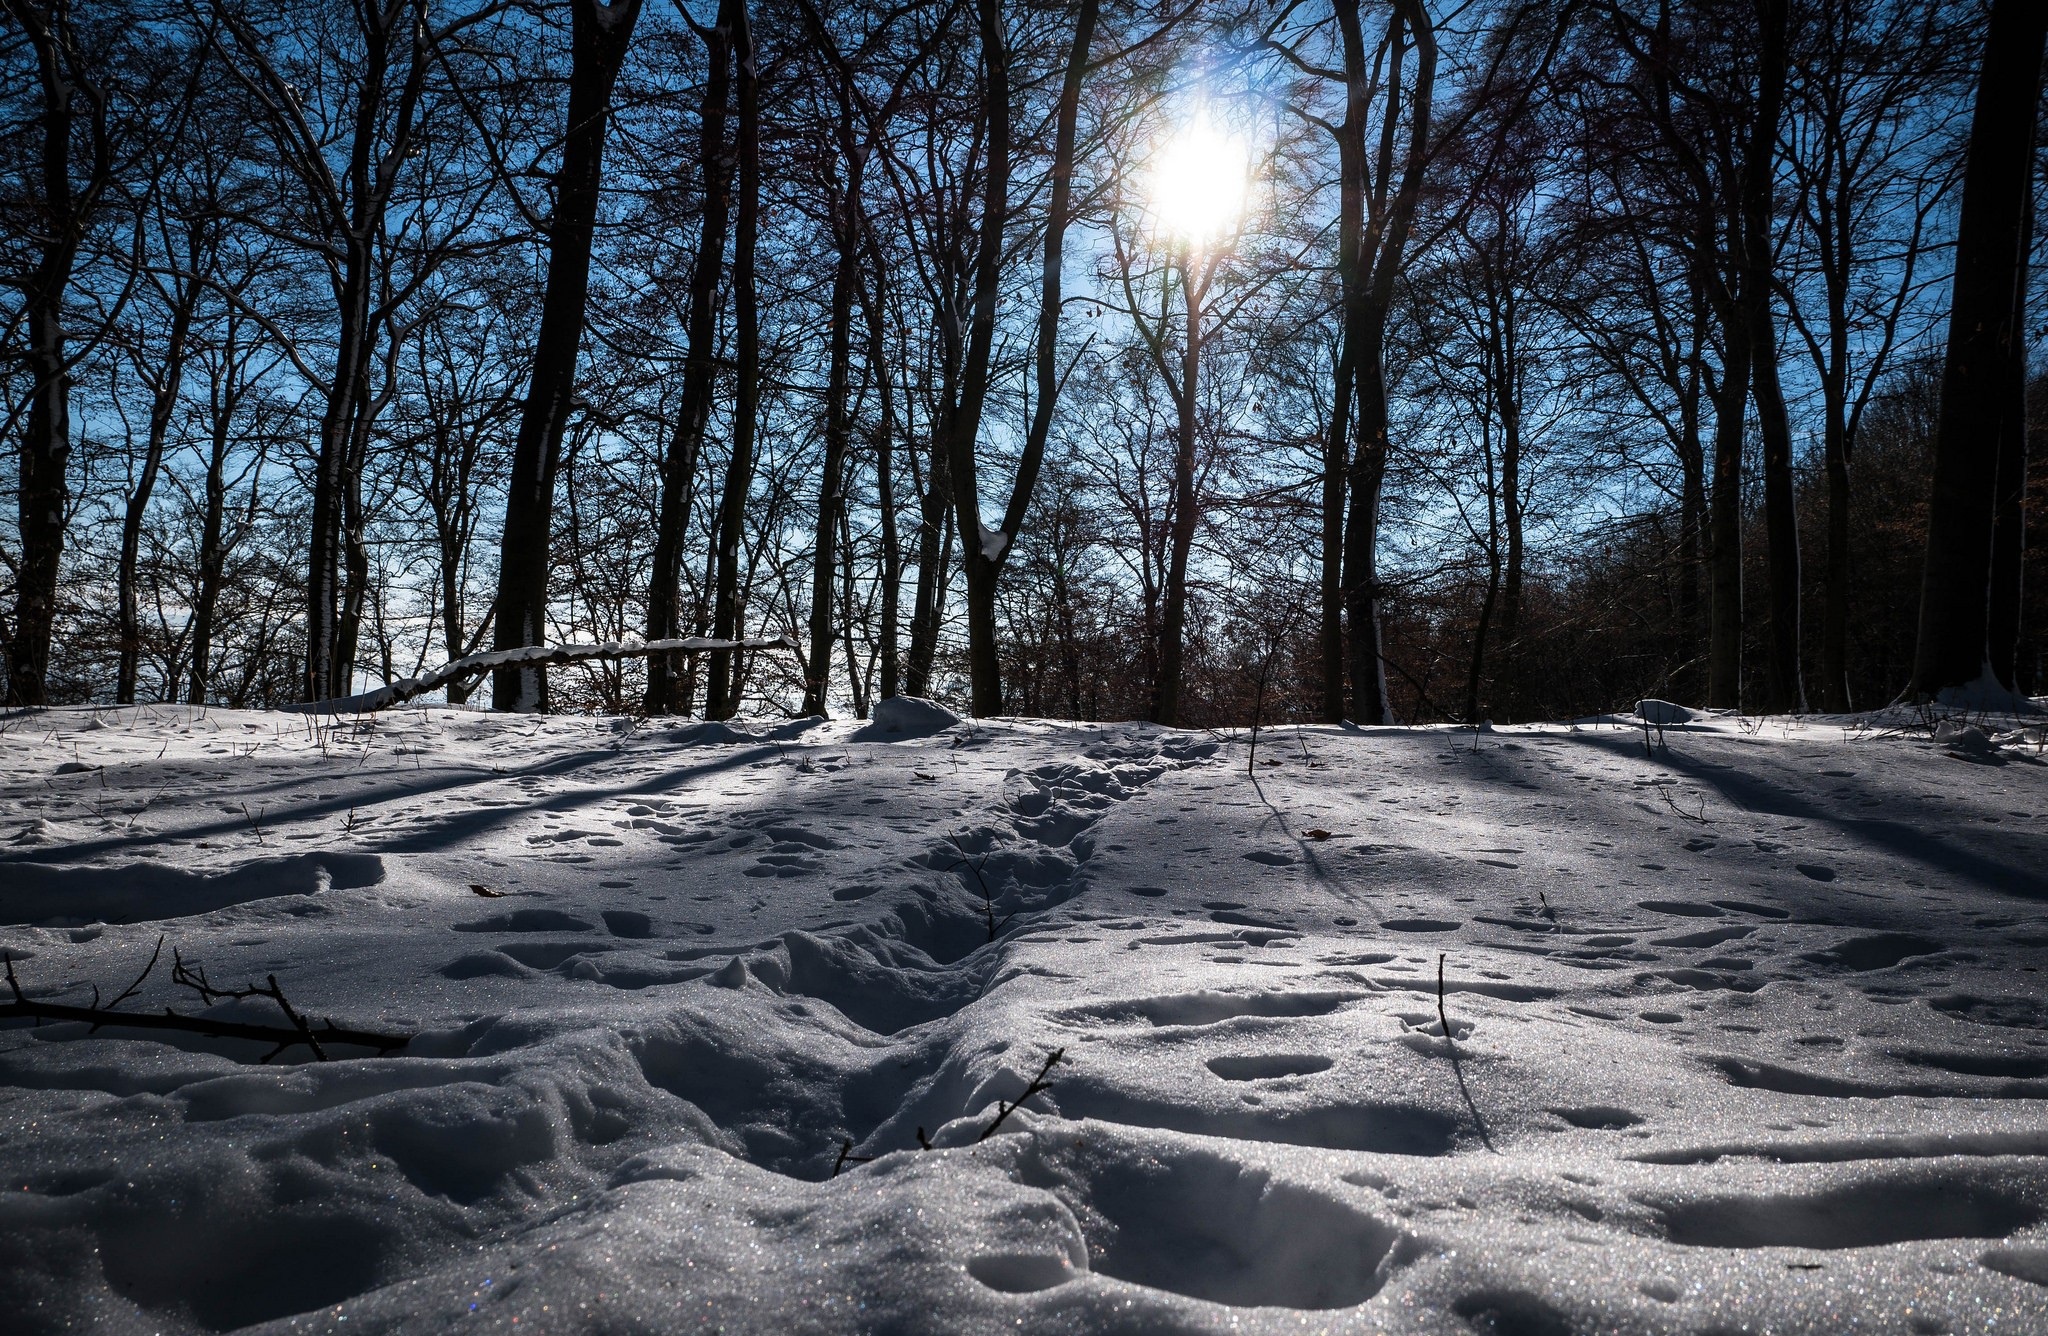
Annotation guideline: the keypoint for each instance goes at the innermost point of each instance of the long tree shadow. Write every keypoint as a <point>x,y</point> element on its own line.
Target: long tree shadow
<point>1750,792</point>
<point>455,827</point>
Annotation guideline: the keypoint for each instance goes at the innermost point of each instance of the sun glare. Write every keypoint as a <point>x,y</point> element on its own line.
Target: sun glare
<point>1199,183</point>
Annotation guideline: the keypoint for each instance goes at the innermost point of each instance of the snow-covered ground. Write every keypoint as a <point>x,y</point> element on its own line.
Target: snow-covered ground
<point>1747,1034</point>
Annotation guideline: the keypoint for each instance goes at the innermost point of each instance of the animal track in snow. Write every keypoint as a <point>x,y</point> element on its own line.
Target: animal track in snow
<point>1268,1066</point>
<point>1868,1214</point>
<point>1879,951</point>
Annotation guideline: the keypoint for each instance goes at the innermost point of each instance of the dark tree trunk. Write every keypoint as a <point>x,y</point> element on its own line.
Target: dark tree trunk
<point>934,554</point>
<point>63,211</point>
<point>838,429</point>
<point>2009,514</point>
<point>1352,276</point>
<point>724,678</point>
<point>1724,523</point>
<point>1383,254</point>
<point>1166,687</point>
<point>665,672</point>
<point>601,34</point>
<point>1692,520</point>
<point>873,307</point>
<point>163,404</point>
<point>1955,594</point>
<point>1787,694</point>
<point>980,549</point>
<point>984,551</point>
<point>1336,451</point>
<point>335,546</point>
<point>1510,393</point>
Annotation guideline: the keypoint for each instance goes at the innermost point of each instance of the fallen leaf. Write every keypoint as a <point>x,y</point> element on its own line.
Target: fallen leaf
<point>486,892</point>
<point>1315,834</point>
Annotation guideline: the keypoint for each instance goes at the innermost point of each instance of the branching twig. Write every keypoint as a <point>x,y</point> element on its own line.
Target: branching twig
<point>1699,818</point>
<point>846,1157</point>
<point>1038,1083</point>
<point>282,1037</point>
<point>988,900</point>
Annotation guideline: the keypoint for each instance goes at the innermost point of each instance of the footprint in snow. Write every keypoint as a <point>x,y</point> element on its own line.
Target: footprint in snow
<point>1880,951</point>
<point>1680,908</point>
<point>1420,925</point>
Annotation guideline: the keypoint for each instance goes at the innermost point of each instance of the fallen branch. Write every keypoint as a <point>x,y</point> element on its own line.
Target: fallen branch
<point>282,1037</point>
<point>534,656</point>
<point>1038,1083</point>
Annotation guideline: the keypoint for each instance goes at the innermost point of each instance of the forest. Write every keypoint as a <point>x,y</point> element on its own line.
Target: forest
<point>1120,359</point>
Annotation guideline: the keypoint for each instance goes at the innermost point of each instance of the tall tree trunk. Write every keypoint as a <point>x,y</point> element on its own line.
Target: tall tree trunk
<point>934,554</point>
<point>1336,453</point>
<point>1352,276</point>
<point>1511,501</point>
<point>1490,600</point>
<point>1724,523</point>
<point>1692,521</point>
<point>983,550</point>
<point>665,673</point>
<point>873,308</point>
<point>62,213</point>
<point>838,429</point>
<point>1953,649</point>
<point>723,679</point>
<point>600,35</point>
<point>1389,220</point>
<point>1835,454</point>
<point>2009,514</point>
<point>1166,687</point>
<point>1787,694</point>
<point>163,404</point>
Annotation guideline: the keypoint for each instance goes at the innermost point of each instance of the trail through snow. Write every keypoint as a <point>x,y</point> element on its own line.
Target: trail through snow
<point>1746,1029</point>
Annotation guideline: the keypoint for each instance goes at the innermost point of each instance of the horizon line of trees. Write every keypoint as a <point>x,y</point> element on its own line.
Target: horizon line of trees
<point>1564,351</point>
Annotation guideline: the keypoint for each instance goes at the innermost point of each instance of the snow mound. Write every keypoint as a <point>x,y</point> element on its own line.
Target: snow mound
<point>143,892</point>
<point>1662,713</point>
<point>1963,739</point>
<point>907,717</point>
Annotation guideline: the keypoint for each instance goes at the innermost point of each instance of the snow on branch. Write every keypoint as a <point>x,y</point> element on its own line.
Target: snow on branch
<point>403,690</point>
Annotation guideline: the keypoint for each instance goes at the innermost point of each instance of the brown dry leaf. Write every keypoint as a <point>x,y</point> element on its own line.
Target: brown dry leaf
<point>1315,834</point>
<point>486,891</point>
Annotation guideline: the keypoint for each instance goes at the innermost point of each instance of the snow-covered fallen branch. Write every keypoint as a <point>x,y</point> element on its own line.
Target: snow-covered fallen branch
<point>280,1037</point>
<point>403,690</point>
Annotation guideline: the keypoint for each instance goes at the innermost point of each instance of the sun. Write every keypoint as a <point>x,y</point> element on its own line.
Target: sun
<point>1199,183</point>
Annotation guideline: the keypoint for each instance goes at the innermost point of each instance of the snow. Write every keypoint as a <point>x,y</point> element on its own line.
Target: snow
<point>1662,713</point>
<point>994,542</point>
<point>908,717</point>
<point>1744,1033</point>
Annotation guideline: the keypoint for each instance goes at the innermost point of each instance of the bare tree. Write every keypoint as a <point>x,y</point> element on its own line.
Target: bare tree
<point>74,170</point>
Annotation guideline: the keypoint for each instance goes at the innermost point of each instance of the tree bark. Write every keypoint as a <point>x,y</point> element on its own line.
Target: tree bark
<point>1787,692</point>
<point>722,682</point>
<point>981,549</point>
<point>64,211</point>
<point>665,673</point>
<point>163,404</point>
<point>1166,687</point>
<point>600,36</point>
<point>838,429</point>
<point>1390,218</point>
<point>1953,647</point>
<point>1724,523</point>
<point>2009,514</point>
<point>1336,452</point>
